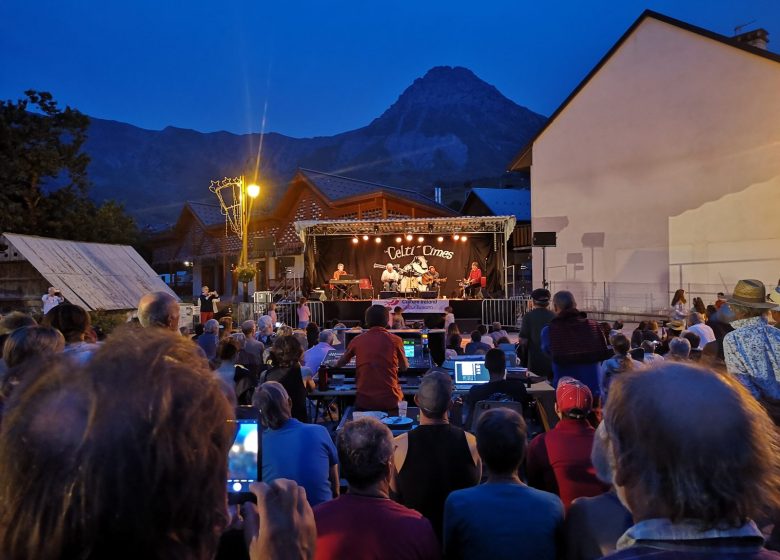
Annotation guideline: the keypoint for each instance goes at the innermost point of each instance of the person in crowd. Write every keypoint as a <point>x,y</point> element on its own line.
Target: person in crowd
<point>698,306</point>
<point>673,330</point>
<point>679,309</point>
<point>291,449</point>
<point>226,360</point>
<point>638,336</point>
<point>484,336</point>
<point>51,299</point>
<point>451,329</point>
<point>455,343</point>
<point>379,356</point>
<point>774,298</point>
<point>559,460</point>
<point>721,299</point>
<point>11,322</point>
<point>752,350</point>
<point>678,479</point>
<point>499,388</point>
<point>225,327</point>
<point>253,346</point>
<point>435,458</point>
<point>679,350</point>
<point>695,354</point>
<point>651,357</point>
<point>575,344</point>
<point>74,324</point>
<point>312,335</point>
<point>304,313</point>
<point>509,350</point>
<point>365,522</point>
<point>272,314</point>
<point>206,300</point>
<point>497,331</point>
<point>25,345</point>
<point>476,346</point>
<point>209,340</point>
<point>397,320</point>
<point>135,445</point>
<point>314,356</point>
<point>265,330</point>
<point>286,355</point>
<point>198,332</point>
<point>449,319</point>
<point>502,518</point>
<point>389,278</point>
<point>473,282</point>
<point>697,325</point>
<point>594,524</point>
<point>159,309</point>
<point>618,363</point>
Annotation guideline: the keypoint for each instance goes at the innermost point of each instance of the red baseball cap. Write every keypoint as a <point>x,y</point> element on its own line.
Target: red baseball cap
<point>573,397</point>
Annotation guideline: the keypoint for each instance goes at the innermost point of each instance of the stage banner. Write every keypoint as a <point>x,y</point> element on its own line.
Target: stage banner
<point>414,305</point>
<point>366,259</point>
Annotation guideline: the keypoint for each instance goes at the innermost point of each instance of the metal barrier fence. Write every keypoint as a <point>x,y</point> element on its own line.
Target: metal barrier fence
<point>508,312</point>
<point>286,312</point>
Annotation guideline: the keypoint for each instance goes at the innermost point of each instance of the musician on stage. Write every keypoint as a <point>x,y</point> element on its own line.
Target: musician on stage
<point>474,281</point>
<point>339,272</point>
<point>432,278</point>
<point>390,278</point>
<point>344,291</point>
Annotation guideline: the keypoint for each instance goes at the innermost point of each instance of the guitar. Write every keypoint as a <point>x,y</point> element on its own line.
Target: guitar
<point>427,279</point>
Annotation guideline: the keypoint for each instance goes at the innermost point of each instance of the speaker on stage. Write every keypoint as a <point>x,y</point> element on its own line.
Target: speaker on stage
<point>427,295</point>
<point>388,295</point>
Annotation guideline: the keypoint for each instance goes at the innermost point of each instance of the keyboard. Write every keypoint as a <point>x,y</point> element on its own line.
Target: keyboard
<point>344,282</point>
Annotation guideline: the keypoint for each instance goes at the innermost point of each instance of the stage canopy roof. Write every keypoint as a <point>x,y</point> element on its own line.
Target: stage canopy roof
<point>440,226</point>
<point>92,275</point>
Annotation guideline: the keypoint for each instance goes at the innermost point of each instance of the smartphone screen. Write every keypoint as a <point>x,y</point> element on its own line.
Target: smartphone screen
<point>243,457</point>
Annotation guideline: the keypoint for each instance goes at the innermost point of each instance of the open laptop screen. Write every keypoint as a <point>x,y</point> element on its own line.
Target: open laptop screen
<point>410,347</point>
<point>470,372</point>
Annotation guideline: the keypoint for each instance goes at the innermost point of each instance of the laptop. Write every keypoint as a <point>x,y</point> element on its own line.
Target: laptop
<point>469,373</point>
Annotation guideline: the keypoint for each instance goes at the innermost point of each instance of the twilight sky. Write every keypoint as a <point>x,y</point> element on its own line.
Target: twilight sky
<point>319,66</point>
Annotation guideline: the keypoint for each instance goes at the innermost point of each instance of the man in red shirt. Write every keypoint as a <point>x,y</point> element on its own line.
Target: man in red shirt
<point>365,522</point>
<point>474,280</point>
<point>379,355</point>
<point>559,460</point>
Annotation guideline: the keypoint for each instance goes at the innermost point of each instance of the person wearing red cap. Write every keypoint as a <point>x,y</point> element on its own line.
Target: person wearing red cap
<point>559,460</point>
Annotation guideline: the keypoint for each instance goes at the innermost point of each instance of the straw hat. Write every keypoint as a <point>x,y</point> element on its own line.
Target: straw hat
<point>750,293</point>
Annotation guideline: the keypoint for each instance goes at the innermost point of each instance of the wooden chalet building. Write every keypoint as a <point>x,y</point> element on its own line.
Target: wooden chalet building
<point>200,243</point>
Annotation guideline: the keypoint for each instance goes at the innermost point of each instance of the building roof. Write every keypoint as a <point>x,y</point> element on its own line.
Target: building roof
<point>504,202</point>
<point>92,275</point>
<point>209,214</point>
<point>523,158</point>
<point>336,187</point>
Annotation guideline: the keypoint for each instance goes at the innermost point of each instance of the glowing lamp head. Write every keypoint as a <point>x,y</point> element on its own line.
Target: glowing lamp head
<point>463,238</point>
<point>456,237</point>
<point>378,239</point>
<point>253,190</point>
<point>420,239</point>
<point>398,239</point>
<point>409,237</point>
<point>440,239</point>
<point>365,238</point>
<point>354,240</point>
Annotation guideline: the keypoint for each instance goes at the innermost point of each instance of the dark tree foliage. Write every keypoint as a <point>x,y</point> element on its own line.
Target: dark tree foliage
<point>43,175</point>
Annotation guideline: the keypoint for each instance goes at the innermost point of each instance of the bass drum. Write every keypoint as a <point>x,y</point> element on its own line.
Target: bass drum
<point>409,284</point>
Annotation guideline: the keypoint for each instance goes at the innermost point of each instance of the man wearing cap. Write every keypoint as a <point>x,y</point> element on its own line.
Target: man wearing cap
<point>531,333</point>
<point>752,349</point>
<point>559,460</point>
<point>435,458</point>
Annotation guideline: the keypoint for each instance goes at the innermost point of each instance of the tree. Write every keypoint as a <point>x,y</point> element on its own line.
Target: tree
<point>43,175</point>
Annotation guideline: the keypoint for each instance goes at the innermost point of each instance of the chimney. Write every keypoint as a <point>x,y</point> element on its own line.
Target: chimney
<point>757,38</point>
<point>437,194</point>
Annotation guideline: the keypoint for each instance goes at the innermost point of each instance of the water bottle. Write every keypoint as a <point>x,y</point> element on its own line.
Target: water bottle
<point>322,378</point>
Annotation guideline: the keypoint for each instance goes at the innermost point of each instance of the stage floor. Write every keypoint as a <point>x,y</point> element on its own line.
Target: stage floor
<point>354,310</point>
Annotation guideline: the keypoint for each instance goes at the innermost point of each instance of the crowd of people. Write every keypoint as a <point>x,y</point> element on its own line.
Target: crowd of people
<point>118,447</point>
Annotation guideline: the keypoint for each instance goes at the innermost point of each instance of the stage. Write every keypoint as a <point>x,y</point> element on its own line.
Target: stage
<point>354,310</point>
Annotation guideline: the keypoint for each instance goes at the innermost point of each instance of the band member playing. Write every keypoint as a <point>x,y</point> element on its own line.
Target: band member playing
<point>207,300</point>
<point>339,272</point>
<point>432,278</point>
<point>390,278</point>
<point>473,281</point>
<point>343,291</point>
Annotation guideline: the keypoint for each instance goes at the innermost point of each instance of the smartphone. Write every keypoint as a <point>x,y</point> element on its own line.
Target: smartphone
<point>277,325</point>
<point>243,468</point>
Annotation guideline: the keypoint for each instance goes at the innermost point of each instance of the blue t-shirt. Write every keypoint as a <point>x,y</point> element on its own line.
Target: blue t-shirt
<point>303,453</point>
<point>502,521</point>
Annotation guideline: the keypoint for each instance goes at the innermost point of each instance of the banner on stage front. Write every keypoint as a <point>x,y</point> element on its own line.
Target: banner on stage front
<point>414,305</point>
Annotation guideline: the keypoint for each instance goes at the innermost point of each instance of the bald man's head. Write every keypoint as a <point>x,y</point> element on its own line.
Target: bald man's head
<point>159,309</point>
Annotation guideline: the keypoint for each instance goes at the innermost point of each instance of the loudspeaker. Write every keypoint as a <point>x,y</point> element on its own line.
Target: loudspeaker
<point>318,295</point>
<point>427,295</point>
<point>388,295</point>
<point>544,239</point>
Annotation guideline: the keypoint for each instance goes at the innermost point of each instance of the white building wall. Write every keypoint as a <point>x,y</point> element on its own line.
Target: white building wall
<point>671,153</point>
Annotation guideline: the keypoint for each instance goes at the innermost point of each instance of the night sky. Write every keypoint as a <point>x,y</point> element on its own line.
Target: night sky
<point>320,67</point>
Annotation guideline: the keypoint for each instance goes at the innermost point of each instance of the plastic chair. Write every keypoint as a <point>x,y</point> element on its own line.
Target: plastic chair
<point>366,285</point>
<point>483,406</point>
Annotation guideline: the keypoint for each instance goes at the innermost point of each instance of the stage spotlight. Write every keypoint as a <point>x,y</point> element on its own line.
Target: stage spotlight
<point>365,238</point>
<point>354,240</point>
<point>378,239</point>
<point>420,239</point>
<point>456,237</point>
<point>398,239</point>
<point>463,238</point>
<point>409,237</point>
<point>440,239</point>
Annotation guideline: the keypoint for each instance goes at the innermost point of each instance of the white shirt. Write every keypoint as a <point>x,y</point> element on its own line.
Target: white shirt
<point>389,276</point>
<point>704,332</point>
<point>488,340</point>
<point>50,302</point>
<point>313,357</point>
